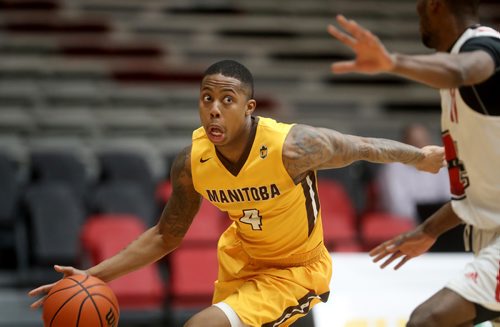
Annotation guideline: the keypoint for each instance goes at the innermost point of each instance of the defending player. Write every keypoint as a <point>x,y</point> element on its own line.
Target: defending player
<point>467,70</point>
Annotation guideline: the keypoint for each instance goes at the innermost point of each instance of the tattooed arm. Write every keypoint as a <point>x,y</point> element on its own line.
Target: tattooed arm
<point>308,148</point>
<point>167,234</point>
<point>154,243</point>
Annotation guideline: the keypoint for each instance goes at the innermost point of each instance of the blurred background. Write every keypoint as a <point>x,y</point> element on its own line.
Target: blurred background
<point>97,97</point>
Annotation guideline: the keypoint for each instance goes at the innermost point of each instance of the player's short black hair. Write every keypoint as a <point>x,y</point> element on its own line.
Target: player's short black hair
<point>463,7</point>
<point>232,68</point>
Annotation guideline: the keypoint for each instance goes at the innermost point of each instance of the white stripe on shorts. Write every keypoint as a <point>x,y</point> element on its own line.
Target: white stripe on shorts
<point>230,314</point>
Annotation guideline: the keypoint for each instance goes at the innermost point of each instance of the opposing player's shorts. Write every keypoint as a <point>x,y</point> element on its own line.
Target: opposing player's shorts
<point>271,294</point>
<point>480,280</point>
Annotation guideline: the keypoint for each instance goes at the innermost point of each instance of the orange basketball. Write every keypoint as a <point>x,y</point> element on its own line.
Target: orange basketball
<point>81,301</point>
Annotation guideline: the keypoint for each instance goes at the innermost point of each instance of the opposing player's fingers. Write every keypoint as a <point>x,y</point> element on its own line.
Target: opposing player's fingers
<point>341,36</point>
<point>386,247</point>
<point>350,26</point>
<point>343,67</point>
<point>393,257</point>
<point>402,262</point>
<point>377,250</point>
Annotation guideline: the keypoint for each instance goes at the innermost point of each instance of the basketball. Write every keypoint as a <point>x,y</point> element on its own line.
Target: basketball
<point>81,301</point>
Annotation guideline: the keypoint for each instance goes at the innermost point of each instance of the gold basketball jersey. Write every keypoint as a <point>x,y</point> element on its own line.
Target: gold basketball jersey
<point>274,217</point>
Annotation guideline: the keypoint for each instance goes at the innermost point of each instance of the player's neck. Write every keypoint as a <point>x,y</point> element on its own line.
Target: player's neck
<point>234,150</point>
<point>454,31</point>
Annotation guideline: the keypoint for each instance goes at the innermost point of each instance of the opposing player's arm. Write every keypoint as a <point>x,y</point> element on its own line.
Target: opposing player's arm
<point>308,148</point>
<point>439,70</point>
<point>167,234</point>
<point>445,70</point>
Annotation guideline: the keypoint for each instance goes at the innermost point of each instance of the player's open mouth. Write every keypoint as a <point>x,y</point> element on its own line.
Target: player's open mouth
<point>215,133</point>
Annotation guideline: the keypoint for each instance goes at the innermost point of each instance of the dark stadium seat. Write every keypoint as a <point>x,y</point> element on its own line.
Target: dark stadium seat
<point>103,236</point>
<point>378,227</point>
<point>9,188</point>
<point>122,197</point>
<point>13,244</point>
<point>339,215</point>
<point>127,165</point>
<point>61,165</point>
<point>55,217</point>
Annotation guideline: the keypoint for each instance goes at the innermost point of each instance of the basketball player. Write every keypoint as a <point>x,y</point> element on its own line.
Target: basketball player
<point>273,266</point>
<point>466,68</point>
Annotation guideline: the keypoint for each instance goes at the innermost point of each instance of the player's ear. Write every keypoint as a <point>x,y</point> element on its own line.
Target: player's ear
<point>251,105</point>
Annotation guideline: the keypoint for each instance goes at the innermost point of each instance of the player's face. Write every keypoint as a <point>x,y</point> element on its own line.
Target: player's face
<point>225,107</point>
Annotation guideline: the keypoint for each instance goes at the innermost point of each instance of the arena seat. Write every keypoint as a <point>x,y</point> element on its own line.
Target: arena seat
<point>338,213</point>
<point>9,188</point>
<point>103,236</point>
<point>62,165</point>
<point>193,271</point>
<point>55,217</point>
<point>124,197</point>
<point>13,238</point>
<point>378,227</point>
<point>207,226</point>
<point>125,165</point>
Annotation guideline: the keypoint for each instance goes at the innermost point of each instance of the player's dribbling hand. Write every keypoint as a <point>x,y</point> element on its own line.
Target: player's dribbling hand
<point>44,289</point>
<point>434,159</point>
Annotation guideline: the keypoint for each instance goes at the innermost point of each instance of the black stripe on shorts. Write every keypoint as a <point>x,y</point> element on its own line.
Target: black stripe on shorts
<point>302,308</point>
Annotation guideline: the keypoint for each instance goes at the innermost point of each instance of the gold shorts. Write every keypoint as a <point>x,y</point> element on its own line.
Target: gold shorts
<point>263,295</point>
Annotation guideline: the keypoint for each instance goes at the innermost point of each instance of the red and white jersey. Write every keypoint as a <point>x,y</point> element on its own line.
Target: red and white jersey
<point>472,143</point>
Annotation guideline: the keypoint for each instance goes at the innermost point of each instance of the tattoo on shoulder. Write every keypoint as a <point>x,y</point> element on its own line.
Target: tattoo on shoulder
<point>305,148</point>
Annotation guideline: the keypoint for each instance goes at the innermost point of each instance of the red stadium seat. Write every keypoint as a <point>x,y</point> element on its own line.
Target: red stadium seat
<point>339,216</point>
<point>105,235</point>
<point>377,227</point>
<point>207,226</point>
<point>193,271</point>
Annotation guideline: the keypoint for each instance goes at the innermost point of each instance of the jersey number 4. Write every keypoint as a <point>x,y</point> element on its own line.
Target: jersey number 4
<point>253,218</point>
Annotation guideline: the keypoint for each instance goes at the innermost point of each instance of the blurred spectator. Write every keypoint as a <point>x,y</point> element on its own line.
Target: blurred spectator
<point>402,188</point>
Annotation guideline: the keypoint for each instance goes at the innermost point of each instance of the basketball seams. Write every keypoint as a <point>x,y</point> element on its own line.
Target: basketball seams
<point>67,287</point>
<point>80,311</point>
<point>62,305</point>
<point>102,296</point>
<point>107,299</point>
<point>89,295</point>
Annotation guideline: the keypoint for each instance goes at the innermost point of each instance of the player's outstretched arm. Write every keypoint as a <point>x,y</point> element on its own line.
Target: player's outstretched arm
<point>439,70</point>
<point>157,241</point>
<point>414,243</point>
<point>309,148</point>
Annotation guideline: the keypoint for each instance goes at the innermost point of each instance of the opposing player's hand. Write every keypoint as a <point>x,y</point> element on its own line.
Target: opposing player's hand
<point>434,159</point>
<point>405,246</point>
<point>43,290</point>
<point>371,55</point>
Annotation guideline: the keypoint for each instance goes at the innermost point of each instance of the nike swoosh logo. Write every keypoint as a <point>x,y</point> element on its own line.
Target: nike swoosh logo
<point>205,160</point>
